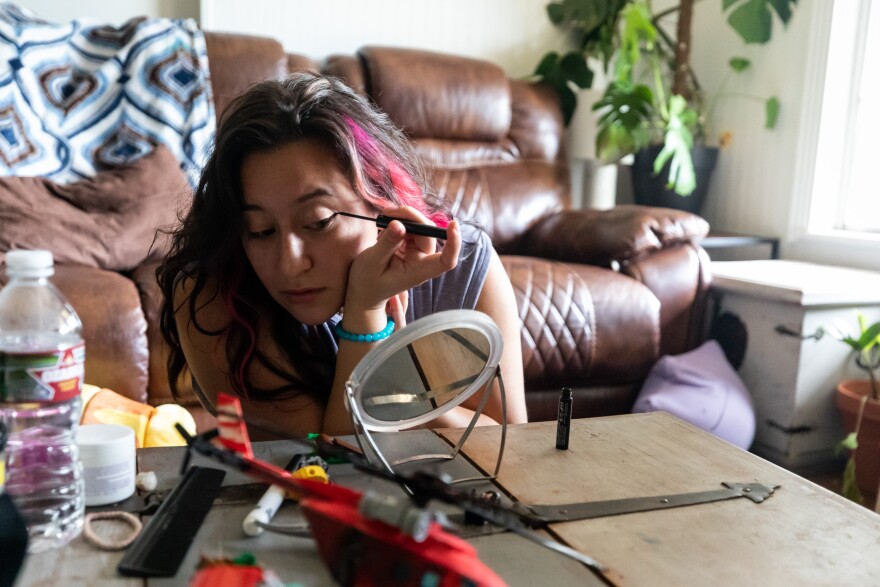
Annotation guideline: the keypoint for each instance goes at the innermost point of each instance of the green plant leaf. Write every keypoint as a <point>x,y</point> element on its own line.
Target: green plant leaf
<point>567,101</point>
<point>753,19</point>
<point>851,442</point>
<point>739,64</point>
<point>556,13</point>
<point>783,8</point>
<point>558,73</point>
<point>850,489</point>
<point>586,15</point>
<point>637,30</point>
<point>548,64</point>
<point>771,112</point>
<point>573,66</point>
<point>869,336</point>
<point>677,145</point>
<point>625,110</point>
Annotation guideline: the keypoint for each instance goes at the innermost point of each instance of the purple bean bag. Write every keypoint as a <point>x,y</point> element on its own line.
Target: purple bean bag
<point>702,388</point>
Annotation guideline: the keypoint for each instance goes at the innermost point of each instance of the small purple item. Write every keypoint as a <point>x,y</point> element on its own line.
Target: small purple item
<point>702,388</point>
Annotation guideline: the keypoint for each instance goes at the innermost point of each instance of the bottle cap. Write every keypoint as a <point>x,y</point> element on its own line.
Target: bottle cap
<point>38,263</point>
<point>566,393</point>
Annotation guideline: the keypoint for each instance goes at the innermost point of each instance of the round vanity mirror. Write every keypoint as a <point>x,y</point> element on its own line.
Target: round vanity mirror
<point>421,372</point>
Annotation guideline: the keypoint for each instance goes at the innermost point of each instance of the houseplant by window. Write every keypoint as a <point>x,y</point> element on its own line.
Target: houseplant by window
<point>653,105</point>
<point>859,403</point>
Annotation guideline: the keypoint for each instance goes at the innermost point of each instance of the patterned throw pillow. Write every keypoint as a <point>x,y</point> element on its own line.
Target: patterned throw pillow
<point>81,97</point>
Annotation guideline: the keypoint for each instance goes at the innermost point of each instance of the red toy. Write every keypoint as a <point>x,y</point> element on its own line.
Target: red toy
<point>394,543</point>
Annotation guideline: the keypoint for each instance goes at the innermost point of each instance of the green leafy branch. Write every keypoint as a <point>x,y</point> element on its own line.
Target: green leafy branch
<point>632,115</point>
<point>593,23</point>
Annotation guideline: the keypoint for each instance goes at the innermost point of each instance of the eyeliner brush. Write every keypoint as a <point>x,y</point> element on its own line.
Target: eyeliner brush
<point>411,227</point>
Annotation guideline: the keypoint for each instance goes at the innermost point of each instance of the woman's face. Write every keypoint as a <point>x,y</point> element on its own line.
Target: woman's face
<point>299,251</point>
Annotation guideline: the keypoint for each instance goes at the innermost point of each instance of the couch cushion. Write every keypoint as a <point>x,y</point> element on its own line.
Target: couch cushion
<point>108,221</point>
<point>582,323</point>
<point>432,95</point>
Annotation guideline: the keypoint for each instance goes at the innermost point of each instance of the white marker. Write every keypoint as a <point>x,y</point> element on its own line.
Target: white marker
<point>268,504</point>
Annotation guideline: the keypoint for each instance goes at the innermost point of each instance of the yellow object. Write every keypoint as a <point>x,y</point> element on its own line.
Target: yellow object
<point>310,472</point>
<point>153,426</point>
<point>89,391</point>
<point>161,430</point>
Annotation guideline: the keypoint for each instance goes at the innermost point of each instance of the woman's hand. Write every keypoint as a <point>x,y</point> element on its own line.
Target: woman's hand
<point>397,262</point>
<point>396,308</point>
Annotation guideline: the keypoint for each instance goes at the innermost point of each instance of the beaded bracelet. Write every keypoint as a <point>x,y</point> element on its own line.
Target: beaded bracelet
<point>373,337</point>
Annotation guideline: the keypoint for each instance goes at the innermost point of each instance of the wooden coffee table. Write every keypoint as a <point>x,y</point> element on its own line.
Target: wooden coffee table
<point>802,535</point>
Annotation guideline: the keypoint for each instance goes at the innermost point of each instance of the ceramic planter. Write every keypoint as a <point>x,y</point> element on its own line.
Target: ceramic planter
<point>848,399</point>
<point>650,189</point>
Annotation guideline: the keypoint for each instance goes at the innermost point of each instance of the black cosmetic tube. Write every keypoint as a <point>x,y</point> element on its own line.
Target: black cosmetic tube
<point>563,419</point>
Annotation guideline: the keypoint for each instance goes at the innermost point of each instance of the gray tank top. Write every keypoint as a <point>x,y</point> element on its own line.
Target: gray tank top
<point>458,288</point>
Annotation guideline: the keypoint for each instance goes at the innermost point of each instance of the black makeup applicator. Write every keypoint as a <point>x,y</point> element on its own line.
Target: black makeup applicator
<point>411,227</point>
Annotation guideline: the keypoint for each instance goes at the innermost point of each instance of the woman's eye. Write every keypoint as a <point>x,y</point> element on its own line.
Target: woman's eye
<point>322,224</point>
<point>258,234</point>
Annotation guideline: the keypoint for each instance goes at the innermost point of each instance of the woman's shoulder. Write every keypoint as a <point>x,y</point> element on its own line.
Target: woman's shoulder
<point>473,234</point>
<point>200,298</point>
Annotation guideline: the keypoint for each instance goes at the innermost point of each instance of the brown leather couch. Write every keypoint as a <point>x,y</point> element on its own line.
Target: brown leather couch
<point>602,295</point>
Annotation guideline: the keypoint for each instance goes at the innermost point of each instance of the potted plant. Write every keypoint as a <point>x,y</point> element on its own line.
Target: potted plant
<point>859,403</point>
<point>653,106</point>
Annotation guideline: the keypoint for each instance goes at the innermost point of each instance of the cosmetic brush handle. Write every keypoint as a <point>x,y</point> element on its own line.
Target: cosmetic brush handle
<point>383,221</point>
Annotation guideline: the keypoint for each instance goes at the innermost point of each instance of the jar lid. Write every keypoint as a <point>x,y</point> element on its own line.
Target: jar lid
<point>37,263</point>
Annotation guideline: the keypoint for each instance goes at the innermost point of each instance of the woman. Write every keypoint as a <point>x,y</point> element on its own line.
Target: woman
<point>265,285</point>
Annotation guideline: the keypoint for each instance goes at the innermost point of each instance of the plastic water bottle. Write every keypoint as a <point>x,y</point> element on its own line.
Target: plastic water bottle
<point>42,358</point>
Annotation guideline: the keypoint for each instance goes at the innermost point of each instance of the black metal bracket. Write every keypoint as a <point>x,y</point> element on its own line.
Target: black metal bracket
<point>786,331</point>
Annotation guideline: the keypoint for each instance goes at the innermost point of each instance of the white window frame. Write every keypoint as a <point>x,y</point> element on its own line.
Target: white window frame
<point>836,48</point>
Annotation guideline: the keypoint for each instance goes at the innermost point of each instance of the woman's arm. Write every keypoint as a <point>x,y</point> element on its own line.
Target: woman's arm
<point>498,301</point>
<point>395,263</point>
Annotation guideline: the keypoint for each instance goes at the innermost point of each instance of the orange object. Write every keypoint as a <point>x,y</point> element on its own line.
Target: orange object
<point>227,576</point>
<point>109,407</point>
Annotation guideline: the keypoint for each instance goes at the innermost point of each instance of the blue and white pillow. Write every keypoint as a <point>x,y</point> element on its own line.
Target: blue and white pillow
<point>84,96</point>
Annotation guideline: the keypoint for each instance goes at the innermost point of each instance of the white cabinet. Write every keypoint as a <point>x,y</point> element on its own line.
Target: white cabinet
<point>790,373</point>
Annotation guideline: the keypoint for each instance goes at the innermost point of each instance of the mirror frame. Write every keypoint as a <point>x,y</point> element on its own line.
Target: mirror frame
<point>376,357</point>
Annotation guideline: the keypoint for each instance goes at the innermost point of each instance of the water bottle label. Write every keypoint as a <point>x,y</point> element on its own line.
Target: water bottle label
<point>54,376</point>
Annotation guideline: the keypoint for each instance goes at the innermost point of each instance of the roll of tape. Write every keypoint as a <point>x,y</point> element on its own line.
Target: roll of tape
<point>107,452</point>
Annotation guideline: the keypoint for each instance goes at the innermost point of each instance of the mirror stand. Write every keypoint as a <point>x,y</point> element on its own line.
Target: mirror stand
<point>372,452</point>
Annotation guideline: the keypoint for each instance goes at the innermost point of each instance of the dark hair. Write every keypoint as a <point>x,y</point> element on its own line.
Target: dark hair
<point>206,246</point>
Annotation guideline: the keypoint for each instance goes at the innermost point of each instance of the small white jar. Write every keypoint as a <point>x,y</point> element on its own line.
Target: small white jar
<point>107,452</point>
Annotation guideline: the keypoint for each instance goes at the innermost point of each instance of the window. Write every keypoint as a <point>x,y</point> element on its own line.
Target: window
<point>861,204</point>
<point>845,198</point>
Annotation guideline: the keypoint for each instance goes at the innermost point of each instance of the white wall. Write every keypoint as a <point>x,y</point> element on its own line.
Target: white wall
<point>753,188</point>
<point>111,11</point>
<point>511,33</point>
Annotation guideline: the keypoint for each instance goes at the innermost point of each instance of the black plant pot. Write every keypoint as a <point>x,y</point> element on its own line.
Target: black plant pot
<point>651,190</point>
